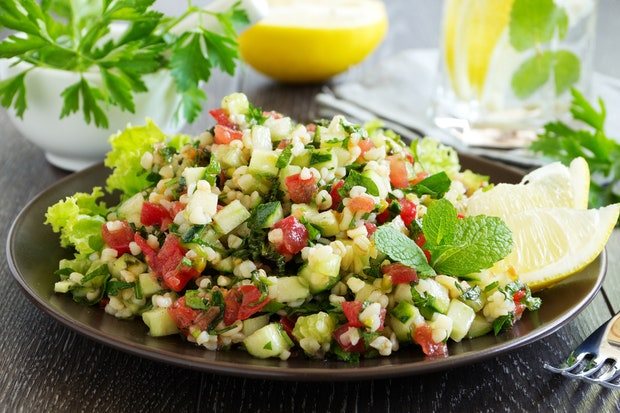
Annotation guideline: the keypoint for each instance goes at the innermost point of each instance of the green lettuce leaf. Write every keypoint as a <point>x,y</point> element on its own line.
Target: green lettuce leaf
<point>435,157</point>
<point>128,146</point>
<point>78,219</point>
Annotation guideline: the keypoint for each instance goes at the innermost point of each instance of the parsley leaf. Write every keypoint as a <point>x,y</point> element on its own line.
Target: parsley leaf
<point>13,92</point>
<point>400,248</point>
<point>355,178</point>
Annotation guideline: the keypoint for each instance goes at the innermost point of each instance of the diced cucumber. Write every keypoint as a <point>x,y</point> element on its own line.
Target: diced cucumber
<point>159,322</point>
<point>326,222</point>
<point>288,289</point>
<point>462,317</point>
<point>226,265</point>
<point>252,324</point>
<point>479,327</point>
<point>437,300</point>
<point>342,156</point>
<point>148,284</point>
<point>404,311</point>
<point>382,183</point>
<point>63,286</point>
<point>193,175</point>
<point>268,214</point>
<point>261,138</point>
<point>363,294</point>
<point>322,275</point>
<point>304,210</point>
<point>263,163</point>
<point>402,292</point>
<point>280,128</point>
<point>236,104</point>
<point>323,159</point>
<point>402,317</point>
<point>301,160</point>
<point>268,341</point>
<point>229,156</point>
<point>230,217</point>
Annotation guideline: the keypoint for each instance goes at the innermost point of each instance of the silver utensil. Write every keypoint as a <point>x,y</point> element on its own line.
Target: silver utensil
<point>597,359</point>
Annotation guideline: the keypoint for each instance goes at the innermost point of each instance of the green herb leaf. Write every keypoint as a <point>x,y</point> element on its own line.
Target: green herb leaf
<point>534,22</point>
<point>285,157</point>
<point>435,186</point>
<point>71,100</point>
<point>400,248</point>
<point>262,213</point>
<point>255,115</point>
<point>114,287</point>
<point>357,179</point>
<point>193,300</point>
<point>532,74</point>
<point>90,105</point>
<point>13,92</point>
<point>119,89</point>
<point>13,45</point>
<point>502,323</point>
<point>439,222</point>
<point>319,157</point>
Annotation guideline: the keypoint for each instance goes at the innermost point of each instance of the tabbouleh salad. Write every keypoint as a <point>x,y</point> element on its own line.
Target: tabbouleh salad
<point>331,239</point>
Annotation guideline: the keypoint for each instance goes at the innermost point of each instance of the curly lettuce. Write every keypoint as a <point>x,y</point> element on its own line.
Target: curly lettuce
<point>434,157</point>
<point>128,147</point>
<point>78,219</point>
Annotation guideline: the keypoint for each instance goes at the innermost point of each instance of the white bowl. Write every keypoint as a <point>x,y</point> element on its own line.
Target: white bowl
<point>70,143</point>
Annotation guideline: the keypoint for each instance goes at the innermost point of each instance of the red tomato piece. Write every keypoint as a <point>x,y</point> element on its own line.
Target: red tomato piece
<point>311,127</point>
<point>400,274</point>
<point>119,238</point>
<point>370,228</point>
<point>352,310</point>
<point>383,217</point>
<point>288,324</point>
<point>232,302</point>
<point>295,236</point>
<point>178,278</point>
<point>345,344</point>
<point>519,307</point>
<point>154,214</point>
<point>419,178</point>
<point>427,254</point>
<point>283,143</point>
<point>225,135</point>
<point>399,177</point>
<point>300,190</point>
<point>361,204</point>
<point>420,240</point>
<point>518,296</point>
<point>410,158</point>
<point>221,117</point>
<point>170,255</point>
<point>423,335</point>
<point>336,198</point>
<point>150,255</point>
<point>176,208</point>
<point>182,315</point>
<point>251,303</point>
<point>365,145</point>
<point>408,211</point>
<point>460,216</point>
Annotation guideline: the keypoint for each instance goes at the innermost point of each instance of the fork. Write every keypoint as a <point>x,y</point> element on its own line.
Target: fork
<point>597,359</point>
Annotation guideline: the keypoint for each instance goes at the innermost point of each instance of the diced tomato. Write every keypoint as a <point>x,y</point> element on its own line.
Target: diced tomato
<point>221,117</point>
<point>352,310</point>
<point>383,217</point>
<point>273,114</point>
<point>150,255</point>
<point>251,302</point>
<point>420,240</point>
<point>382,314</point>
<point>295,235</point>
<point>283,143</point>
<point>518,296</point>
<point>460,215</point>
<point>361,204</point>
<point>423,335</point>
<point>400,273</point>
<point>346,344</point>
<point>243,302</point>
<point>311,127</point>
<point>409,158</point>
<point>182,315</point>
<point>118,239</point>
<point>420,176</point>
<point>300,190</point>
<point>408,211</point>
<point>170,255</point>
<point>336,198</point>
<point>154,214</point>
<point>398,172</point>
<point>365,145</point>
<point>178,278</point>
<point>427,254</point>
<point>225,135</point>
<point>370,228</point>
<point>519,307</point>
<point>288,324</point>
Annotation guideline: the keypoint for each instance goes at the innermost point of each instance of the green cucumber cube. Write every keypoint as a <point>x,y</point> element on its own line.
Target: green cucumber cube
<point>159,322</point>
<point>268,341</point>
<point>263,163</point>
<point>148,284</point>
<point>462,317</point>
<point>230,217</point>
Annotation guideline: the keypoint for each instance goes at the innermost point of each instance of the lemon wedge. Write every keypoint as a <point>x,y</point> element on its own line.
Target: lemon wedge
<point>553,185</point>
<point>550,244</point>
<point>304,41</point>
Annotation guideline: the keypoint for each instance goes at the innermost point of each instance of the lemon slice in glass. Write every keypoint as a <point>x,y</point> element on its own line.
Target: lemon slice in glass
<point>302,41</point>
<point>550,244</point>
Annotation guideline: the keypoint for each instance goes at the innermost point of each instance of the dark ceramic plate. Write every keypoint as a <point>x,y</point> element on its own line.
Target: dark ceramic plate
<point>33,253</point>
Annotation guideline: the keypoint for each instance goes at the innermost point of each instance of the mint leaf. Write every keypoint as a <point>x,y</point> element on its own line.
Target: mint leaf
<point>566,69</point>
<point>285,157</point>
<point>534,22</point>
<point>400,248</point>
<point>532,74</point>
<point>435,185</point>
<point>439,222</point>
<point>478,243</point>
<point>357,179</point>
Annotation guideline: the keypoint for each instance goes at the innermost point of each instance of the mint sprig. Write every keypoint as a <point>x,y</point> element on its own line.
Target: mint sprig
<point>463,246</point>
<point>533,25</point>
<point>400,248</point>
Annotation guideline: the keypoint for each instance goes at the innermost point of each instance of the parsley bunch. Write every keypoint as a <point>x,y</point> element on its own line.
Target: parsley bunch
<point>74,35</point>
<point>562,142</point>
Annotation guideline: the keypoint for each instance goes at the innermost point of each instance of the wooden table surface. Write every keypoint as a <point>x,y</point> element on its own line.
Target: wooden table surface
<point>46,367</point>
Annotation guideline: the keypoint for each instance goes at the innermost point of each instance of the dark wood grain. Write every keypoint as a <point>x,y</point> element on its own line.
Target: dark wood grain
<point>45,367</point>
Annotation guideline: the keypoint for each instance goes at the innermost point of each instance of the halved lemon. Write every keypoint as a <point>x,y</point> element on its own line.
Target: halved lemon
<point>304,41</point>
<point>553,185</point>
<point>551,244</point>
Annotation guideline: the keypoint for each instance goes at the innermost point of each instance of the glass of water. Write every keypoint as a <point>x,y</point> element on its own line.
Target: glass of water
<point>507,66</point>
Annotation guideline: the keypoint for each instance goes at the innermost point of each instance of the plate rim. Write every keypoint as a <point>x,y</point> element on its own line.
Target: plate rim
<point>354,373</point>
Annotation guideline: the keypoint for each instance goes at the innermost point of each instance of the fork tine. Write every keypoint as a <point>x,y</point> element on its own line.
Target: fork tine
<point>597,364</point>
<point>607,379</point>
<point>578,359</point>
